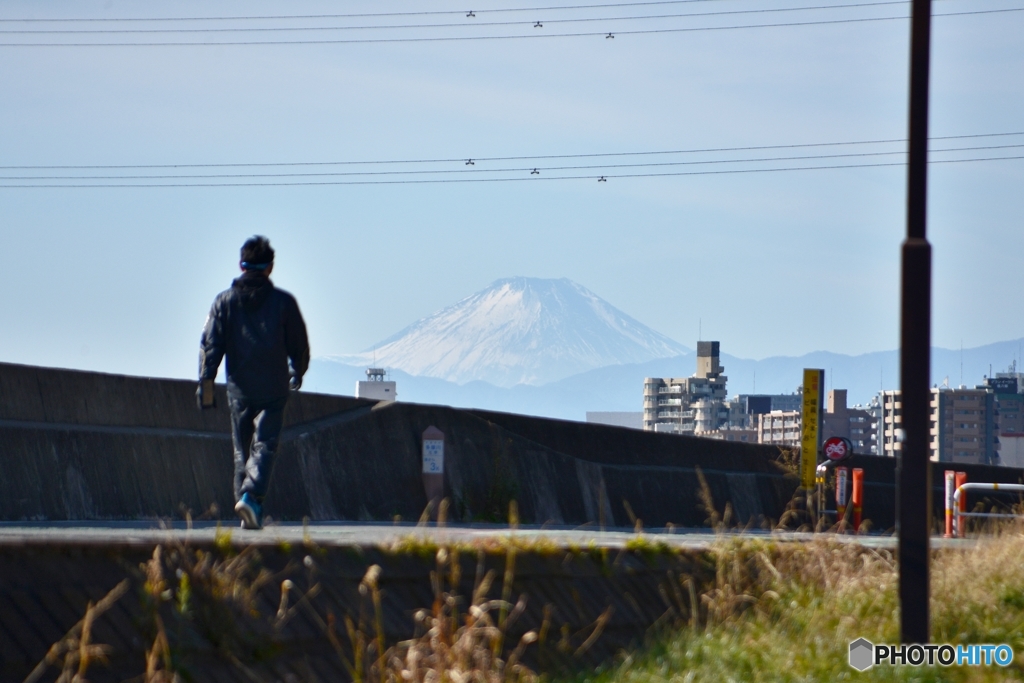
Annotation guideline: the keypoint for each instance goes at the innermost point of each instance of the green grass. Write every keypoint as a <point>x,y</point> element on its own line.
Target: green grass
<point>787,612</point>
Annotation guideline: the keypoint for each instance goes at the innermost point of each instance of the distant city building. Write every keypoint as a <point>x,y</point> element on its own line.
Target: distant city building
<point>1011,450</point>
<point>783,427</point>
<point>1007,387</point>
<point>733,434</point>
<point>855,424</point>
<point>758,404</point>
<point>963,425</point>
<point>1009,401</point>
<point>874,409</point>
<point>744,409</point>
<point>1012,373</point>
<point>634,420</point>
<point>779,428</point>
<point>688,405</point>
<point>376,387</point>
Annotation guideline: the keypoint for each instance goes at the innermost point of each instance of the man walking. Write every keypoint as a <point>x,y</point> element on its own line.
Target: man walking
<point>260,330</point>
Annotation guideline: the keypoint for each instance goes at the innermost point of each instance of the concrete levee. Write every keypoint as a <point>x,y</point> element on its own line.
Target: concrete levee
<point>73,397</point>
<point>568,595</point>
<point>607,444</point>
<point>80,445</point>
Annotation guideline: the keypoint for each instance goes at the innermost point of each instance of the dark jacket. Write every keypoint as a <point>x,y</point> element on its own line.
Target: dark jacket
<point>260,329</point>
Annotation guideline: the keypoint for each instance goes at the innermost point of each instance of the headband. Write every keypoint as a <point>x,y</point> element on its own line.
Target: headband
<point>256,266</point>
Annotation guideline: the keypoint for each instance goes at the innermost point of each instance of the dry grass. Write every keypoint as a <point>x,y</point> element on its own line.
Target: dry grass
<point>197,602</point>
<point>455,642</point>
<point>753,610</point>
<point>452,645</point>
<point>76,651</point>
<point>787,612</point>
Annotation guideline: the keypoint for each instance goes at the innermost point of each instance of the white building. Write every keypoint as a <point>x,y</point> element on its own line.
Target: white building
<point>376,387</point>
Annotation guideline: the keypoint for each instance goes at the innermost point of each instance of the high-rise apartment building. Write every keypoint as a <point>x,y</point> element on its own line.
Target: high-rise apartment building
<point>688,405</point>
<point>1009,402</point>
<point>963,425</point>
<point>1007,387</point>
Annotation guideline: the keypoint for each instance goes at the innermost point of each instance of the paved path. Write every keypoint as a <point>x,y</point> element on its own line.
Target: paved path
<point>369,534</point>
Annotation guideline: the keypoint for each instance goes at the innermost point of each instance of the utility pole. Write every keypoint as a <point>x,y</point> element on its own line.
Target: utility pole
<point>914,487</point>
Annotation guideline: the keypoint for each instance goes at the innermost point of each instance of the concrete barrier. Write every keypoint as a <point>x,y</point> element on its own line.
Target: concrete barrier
<point>82,445</point>
<point>44,592</point>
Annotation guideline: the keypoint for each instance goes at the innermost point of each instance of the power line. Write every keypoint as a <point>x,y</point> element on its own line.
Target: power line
<point>438,39</point>
<point>463,171</point>
<point>369,14</point>
<point>747,148</point>
<point>265,29</point>
<point>435,181</point>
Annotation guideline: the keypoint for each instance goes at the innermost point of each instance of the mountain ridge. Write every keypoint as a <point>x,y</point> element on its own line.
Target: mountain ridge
<point>620,387</point>
<point>519,330</point>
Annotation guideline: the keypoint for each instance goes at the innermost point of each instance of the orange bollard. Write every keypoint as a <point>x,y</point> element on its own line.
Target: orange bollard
<point>842,474</point>
<point>950,489</point>
<point>858,497</point>
<point>961,479</point>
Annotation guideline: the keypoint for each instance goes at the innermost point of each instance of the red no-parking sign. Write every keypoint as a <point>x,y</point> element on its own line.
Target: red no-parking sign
<point>837,448</point>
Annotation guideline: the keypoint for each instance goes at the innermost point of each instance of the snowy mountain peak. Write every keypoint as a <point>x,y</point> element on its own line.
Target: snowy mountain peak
<point>520,330</point>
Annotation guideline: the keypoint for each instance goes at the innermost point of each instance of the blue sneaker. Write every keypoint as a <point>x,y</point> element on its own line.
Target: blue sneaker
<point>250,511</point>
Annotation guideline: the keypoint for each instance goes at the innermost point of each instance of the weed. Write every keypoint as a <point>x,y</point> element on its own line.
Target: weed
<point>450,644</point>
<point>649,548</point>
<point>787,612</point>
<point>76,648</point>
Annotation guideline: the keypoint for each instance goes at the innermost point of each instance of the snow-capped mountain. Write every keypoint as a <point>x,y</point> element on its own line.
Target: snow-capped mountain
<point>520,331</point>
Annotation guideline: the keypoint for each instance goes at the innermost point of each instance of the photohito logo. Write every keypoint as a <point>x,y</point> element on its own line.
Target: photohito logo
<point>864,654</point>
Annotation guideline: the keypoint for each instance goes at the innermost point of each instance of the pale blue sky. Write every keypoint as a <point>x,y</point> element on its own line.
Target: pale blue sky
<point>779,263</point>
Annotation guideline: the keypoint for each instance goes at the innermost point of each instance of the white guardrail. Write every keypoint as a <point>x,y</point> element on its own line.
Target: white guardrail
<point>979,486</point>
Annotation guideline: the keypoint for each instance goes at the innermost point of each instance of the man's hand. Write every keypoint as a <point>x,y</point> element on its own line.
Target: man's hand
<point>294,383</point>
<point>205,397</point>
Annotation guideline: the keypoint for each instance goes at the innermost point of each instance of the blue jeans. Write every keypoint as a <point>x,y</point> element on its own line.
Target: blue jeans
<point>255,428</point>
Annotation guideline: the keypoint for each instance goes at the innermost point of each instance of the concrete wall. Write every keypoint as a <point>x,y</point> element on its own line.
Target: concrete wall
<point>44,591</point>
<point>78,445</point>
<point>73,397</point>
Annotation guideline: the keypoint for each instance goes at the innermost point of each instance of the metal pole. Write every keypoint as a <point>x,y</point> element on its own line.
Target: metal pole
<point>914,487</point>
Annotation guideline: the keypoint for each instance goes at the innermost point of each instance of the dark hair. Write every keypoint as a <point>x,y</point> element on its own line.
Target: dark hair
<point>257,251</point>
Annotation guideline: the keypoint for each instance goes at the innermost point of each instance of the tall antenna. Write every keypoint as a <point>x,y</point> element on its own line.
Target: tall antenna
<point>961,362</point>
<point>700,329</point>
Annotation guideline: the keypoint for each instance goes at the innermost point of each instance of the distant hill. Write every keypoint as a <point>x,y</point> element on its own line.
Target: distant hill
<point>619,387</point>
<point>519,331</point>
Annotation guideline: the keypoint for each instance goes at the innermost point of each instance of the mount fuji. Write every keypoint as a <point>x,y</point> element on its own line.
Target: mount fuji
<point>519,330</point>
